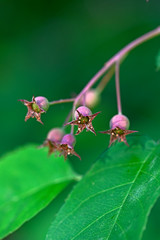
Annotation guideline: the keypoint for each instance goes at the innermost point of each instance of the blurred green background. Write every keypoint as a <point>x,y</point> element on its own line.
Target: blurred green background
<point>53,48</point>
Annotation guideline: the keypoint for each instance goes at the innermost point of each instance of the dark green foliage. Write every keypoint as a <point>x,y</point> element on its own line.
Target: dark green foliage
<point>53,48</point>
<point>158,61</point>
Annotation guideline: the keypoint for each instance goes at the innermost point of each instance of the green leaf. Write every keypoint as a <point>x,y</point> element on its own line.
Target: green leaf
<point>114,199</point>
<point>158,61</point>
<point>29,180</point>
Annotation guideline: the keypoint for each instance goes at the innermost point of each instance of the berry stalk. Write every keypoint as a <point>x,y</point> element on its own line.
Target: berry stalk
<point>119,106</point>
<point>114,59</point>
<point>105,80</point>
<point>62,101</point>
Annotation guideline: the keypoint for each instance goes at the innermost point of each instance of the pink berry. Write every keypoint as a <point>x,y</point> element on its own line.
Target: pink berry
<point>42,102</point>
<point>91,98</point>
<point>68,139</point>
<point>83,110</point>
<point>120,121</point>
<point>55,135</point>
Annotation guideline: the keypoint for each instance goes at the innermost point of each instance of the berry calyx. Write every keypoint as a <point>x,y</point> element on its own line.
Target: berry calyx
<point>119,129</point>
<point>66,146</point>
<point>53,140</point>
<point>84,118</point>
<point>36,107</point>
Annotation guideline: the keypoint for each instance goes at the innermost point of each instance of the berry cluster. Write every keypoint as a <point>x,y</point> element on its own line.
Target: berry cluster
<point>82,116</point>
<point>57,140</point>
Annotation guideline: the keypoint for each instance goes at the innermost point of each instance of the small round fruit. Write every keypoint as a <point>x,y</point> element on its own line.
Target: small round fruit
<point>68,139</point>
<point>55,135</point>
<point>40,103</point>
<point>120,121</point>
<point>92,98</point>
<point>85,111</point>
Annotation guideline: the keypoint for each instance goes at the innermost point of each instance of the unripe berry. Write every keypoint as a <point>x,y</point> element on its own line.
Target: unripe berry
<point>120,121</point>
<point>92,98</point>
<point>68,139</point>
<point>55,135</point>
<point>82,110</point>
<point>40,103</point>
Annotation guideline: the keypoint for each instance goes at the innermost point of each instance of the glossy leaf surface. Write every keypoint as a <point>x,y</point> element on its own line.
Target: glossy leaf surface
<point>114,199</point>
<point>29,180</point>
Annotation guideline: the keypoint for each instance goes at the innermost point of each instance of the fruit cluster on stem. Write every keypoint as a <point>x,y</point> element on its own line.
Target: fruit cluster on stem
<point>81,114</point>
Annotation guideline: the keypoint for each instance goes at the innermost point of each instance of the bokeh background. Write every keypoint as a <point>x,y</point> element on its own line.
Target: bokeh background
<point>53,48</point>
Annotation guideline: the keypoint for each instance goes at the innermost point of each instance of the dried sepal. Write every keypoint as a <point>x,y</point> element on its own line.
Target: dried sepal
<point>36,107</point>
<point>83,120</point>
<point>118,134</point>
<point>53,140</point>
<point>66,150</point>
<point>66,146</point>
<point>52,146</point>
<point>119,125</point>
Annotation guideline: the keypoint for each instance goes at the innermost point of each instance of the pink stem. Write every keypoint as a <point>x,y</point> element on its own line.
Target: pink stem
<point>118,88</point>
<point>62,101</point>
<point>113,60</point>
<point>105,80</point>
<point>116,58</point>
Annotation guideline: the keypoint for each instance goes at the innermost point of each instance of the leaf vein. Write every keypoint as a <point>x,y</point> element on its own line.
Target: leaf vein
<point>91,196</point>
<point>114,166</point>
<point>127,194</point>
<point>94,222</point>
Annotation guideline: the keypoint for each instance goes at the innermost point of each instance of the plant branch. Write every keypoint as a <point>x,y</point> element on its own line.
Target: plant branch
<point>105,80</point>
<point>62,101</point>
<point>114,59</point>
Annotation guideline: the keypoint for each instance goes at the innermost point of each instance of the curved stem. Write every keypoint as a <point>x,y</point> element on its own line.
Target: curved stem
<point>62,101</point>
<point>114,59</point>
<point>118,88</point>
<point>105,80</point>
<point>90,84</point>
<point>73,111</point>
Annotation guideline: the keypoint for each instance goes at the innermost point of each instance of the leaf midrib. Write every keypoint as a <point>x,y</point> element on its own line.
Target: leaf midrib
<point>115,166</point>
<point>123,202</point>
<point>128,192</point>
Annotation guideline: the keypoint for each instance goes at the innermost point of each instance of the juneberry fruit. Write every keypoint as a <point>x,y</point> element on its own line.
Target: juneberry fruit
<point>83,110</point>
<point>91,98</point>
<point>66,146</point>
<point>84,118</point>
<point>36,107</point>
<point>120,121</point>
<point>119,125</point>
<point>68,139</point>
<point>40,103</point>
<point>55,135</point>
